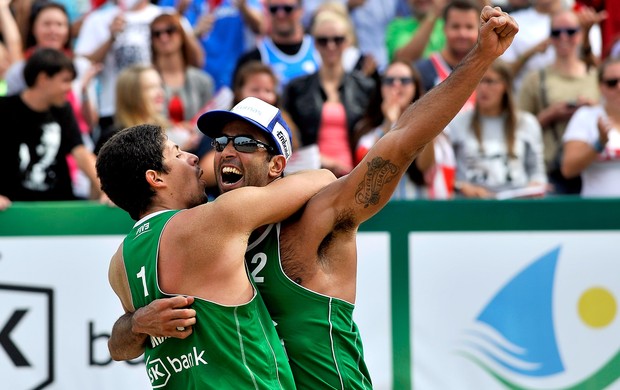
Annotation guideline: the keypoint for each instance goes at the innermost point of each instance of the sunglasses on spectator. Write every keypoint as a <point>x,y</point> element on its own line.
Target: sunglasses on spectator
<point>323,41</point>
<point>570,31</point>
<point>241,143</point>
<point>392,80</point>
<point>273,9</point>
<point>168,31</point>
<point>611,83</point>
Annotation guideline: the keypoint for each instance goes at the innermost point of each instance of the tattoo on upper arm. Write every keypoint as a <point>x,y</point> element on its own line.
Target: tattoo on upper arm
<point>380,172</point>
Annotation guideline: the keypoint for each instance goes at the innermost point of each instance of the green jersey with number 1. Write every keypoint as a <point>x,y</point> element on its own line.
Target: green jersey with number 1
<point>320,337</point>
<point>232,347</point>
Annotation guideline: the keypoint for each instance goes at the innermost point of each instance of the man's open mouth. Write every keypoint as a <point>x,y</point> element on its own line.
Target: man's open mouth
<point>231,175</point>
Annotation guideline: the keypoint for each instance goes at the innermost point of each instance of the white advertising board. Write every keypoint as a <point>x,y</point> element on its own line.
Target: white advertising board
<point>535,310</point>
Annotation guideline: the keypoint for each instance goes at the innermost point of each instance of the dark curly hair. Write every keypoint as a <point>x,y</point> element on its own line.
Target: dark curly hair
<point>123,161</point>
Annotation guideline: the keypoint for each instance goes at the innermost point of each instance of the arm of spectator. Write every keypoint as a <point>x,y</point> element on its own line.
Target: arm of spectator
<point>181,6</point>
<point>10,33</point>
<point>5,202</point>
<point>414,49</point>
<point>88,106</point>
<point>253,18</point>
<point>518,64</point>
<point>204,24</point>
<point>588,17</point>
<point>469,190</point>
<point>353,4</point>
<point>86,160</point>
<point>195,49</point>
<point>116,27</point>
<point>578,155</point>
<point>556,112</point>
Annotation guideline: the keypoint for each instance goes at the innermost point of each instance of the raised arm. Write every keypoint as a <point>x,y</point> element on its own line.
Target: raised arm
<point>370,185</point>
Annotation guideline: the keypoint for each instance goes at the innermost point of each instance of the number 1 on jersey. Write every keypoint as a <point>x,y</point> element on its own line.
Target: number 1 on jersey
<point>142,275</point>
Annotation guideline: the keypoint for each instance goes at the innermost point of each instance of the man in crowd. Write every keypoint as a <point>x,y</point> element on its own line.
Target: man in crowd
<point>40,130</point>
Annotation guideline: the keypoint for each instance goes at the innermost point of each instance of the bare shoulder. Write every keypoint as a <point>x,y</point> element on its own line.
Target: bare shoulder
<point>117,277</point>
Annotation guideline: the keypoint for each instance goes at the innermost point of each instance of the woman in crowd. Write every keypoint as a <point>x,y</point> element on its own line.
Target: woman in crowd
<point>326,105</point>
<point>496,146</point>
<point>187,89</point>
<point>555,92</point>
<point>592,138</point>
<point>400,86</point>
<point>139,99</point>
<point>49,28</point>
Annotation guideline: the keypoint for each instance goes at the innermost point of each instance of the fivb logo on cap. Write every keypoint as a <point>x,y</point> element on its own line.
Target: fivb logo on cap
<point>269,118</point>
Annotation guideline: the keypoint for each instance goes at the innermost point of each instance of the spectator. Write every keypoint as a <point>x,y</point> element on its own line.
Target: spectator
<point>40,131</point>
<point>400,86</point>
<point>371,20</point>
<point>417,36</point>
<point>461,32</point>
<point>187,88</point>
<point>592,138</point>
<point>139,99</point>
<point>286,49</point>
<point>119,36</point>
<point>226,29</point>
<point>533,50</point>
<point>49,27</point>
<point>497,147</point>
<point>607,12</point>
<point>556,91</point>
<point>327,104</point>
<point>353,59</point>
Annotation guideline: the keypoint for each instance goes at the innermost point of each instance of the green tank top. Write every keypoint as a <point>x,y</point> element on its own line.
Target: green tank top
<point>318,332</point>
<point>232,347</point>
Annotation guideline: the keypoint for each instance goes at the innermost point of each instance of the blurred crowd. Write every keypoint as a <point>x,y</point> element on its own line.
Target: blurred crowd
<point>544,120</point>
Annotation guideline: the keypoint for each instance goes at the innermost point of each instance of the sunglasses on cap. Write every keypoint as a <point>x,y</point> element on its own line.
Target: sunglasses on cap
<point>392,80</point>
<point>168,31</point>
<point>570,31</point>
<point>323,41</point>
<point>241,143</point>
<point>611,83</point>
<point>273,9</point>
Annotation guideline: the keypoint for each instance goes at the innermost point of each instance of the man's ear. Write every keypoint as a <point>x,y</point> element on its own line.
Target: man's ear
<point>276,166</point>
<point>153,178</point>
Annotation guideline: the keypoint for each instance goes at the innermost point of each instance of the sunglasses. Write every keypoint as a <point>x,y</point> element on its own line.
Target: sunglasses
<point>570,31</point>
<point>168,31</point>
<point>393,80</point>
<point>241,143</point>
<point>611,83</point>
<point>273,9</point>
<point>323,41</point>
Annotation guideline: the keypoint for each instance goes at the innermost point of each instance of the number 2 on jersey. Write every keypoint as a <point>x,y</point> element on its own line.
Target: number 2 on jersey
<point>261,259</point>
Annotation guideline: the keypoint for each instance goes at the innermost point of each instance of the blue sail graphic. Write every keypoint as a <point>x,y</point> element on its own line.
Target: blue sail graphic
<point>522,313</point>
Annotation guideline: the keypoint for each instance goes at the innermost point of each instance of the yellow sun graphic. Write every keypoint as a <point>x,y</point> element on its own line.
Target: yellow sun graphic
<point>597,307</point>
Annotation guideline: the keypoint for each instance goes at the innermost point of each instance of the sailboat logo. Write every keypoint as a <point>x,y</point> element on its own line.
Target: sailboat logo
<point>514,336</point>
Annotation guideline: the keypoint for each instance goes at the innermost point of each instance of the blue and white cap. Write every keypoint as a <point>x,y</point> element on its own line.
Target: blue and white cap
<point>254,111</point>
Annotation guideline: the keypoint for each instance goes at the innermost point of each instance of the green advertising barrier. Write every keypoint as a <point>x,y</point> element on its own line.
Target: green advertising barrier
<point>398,218</point>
